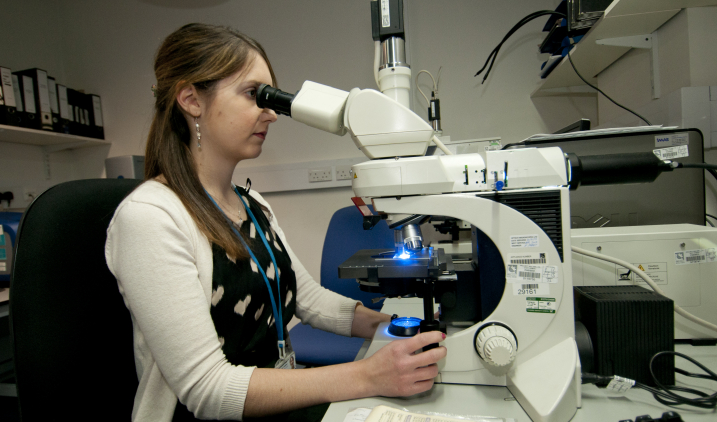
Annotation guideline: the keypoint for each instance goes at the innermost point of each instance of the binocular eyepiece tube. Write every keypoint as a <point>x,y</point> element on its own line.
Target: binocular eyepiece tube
<point>275,99</point>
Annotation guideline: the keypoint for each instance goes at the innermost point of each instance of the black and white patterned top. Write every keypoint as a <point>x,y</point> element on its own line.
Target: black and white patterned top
<point>241,305</point>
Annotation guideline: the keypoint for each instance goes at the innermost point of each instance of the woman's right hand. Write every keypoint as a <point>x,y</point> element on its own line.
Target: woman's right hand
<point>396,370</point>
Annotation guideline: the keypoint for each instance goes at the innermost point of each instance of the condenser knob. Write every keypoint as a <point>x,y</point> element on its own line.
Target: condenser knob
<point>496,345</point>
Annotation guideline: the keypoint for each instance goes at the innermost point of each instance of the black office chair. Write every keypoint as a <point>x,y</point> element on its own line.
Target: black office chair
<point>72,334</point>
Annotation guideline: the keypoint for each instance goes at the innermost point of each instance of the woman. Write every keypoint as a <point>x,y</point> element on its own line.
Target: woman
<point>205,270</point>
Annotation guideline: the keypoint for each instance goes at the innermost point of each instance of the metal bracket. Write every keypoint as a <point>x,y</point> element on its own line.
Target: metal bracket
<point>641,41</point>
<point>49,149</point>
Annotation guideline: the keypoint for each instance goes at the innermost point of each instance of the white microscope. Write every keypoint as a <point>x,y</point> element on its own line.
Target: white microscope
<point>509,319</point>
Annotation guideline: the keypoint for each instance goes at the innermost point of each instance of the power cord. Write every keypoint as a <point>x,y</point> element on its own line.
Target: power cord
<point>570,58</point>
<point>493,54</point>
<point>663,394</point>
<point>703,166</point>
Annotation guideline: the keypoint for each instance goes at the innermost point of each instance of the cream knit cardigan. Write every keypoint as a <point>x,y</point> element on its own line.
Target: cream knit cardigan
<point>163,265</point>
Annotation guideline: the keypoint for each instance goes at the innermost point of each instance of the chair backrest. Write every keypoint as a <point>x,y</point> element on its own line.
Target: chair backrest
<point>72,334</point>
<point>344,237</point>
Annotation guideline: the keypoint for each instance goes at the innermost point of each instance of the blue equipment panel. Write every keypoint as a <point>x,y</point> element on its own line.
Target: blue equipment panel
<point>9,222</point>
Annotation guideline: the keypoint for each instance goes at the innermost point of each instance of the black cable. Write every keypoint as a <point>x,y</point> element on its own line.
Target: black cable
<point>517,26</point>
<point>697,166</point>
<point>710,215</point>
<point>494,54</point>
<point>709,222</point>
<point>666,394</point>
<point>712,172</point>
<point>497,48</point>
<point>669,398</point>
<point>570,58</point>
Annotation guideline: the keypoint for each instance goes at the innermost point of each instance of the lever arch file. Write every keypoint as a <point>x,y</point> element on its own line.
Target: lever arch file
<point>37,79</point>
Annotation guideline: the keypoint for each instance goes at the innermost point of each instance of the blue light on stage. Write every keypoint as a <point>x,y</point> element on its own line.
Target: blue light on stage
<point>404,326</point>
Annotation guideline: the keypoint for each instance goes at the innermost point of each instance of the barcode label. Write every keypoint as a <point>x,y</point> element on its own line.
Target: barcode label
<point>531,273</point>
<point>531,289</point>
<point>695,256</point>
<point>672,152</point>
<point>528,261</point>
<point>529,258</point>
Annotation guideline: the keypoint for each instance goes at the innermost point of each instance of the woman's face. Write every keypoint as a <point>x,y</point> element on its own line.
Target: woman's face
<point>232,126</point>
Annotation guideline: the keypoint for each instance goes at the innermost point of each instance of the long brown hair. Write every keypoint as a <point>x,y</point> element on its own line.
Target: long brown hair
<point>200,55</point>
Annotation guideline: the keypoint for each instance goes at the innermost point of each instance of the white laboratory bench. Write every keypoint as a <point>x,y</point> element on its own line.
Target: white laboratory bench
<point>597,404</point>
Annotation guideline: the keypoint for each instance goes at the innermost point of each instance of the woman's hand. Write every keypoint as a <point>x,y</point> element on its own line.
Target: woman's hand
<point>394,370</point>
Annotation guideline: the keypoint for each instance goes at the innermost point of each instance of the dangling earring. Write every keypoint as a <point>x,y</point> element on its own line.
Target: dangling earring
<point>199,135</point>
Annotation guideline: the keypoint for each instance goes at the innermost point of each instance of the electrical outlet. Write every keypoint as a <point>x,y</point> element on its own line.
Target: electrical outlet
<point>29,194</point>
<point>320,175</point>
<point>343,173</point>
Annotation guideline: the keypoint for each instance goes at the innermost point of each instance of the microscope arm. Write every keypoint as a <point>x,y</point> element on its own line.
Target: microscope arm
<point>379,126</point>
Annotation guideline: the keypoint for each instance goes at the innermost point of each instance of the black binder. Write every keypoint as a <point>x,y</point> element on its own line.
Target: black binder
<point>38,79</point>
<point>30,116</point>
<point>54,104</point>
<point>97,123</point>
<point>8,106</point>
<point>64,106</point>
<point>79,125</point>
<point>21,115</point>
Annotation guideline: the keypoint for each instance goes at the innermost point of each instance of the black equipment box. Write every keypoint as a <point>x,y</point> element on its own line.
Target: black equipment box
<point>627,326</point>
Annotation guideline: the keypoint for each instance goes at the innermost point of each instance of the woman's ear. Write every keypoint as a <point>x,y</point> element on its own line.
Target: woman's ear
<point>188,99</point>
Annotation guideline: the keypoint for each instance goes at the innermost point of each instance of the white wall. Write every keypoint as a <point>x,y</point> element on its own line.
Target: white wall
<point>687,57</point>
<point>106,47</point>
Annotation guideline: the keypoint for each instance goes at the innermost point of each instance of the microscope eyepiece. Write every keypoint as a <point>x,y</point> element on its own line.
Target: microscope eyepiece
<point>275,99</point>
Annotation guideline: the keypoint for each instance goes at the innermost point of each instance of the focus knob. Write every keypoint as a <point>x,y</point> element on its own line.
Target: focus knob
<point>496,345</point>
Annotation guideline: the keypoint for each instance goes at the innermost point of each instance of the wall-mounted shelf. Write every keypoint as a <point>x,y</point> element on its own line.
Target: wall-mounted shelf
<point>623,18</point>
<point>53,140</point>
<point>49,141</point>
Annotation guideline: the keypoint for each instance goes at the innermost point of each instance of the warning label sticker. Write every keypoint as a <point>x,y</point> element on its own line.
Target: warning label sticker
<point>516,273</point>
<point>657,271</point>
<point>672,152</point>
<point>542,305</point>
<point>524,241</point>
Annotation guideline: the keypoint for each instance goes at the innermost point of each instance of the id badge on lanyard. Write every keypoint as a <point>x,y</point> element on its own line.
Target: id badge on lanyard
<point>287,357</point>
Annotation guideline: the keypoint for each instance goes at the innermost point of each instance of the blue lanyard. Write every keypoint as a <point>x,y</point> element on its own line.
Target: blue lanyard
<point>278,319</point>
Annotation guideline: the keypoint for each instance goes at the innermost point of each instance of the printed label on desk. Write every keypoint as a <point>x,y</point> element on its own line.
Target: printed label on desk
<point>672,140</point>
<point>530,289</point>
<point>515,273</point>
<point>524,241</point>
<point>540,305</point>
<point>697,256</point>
<point>672,152</point>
